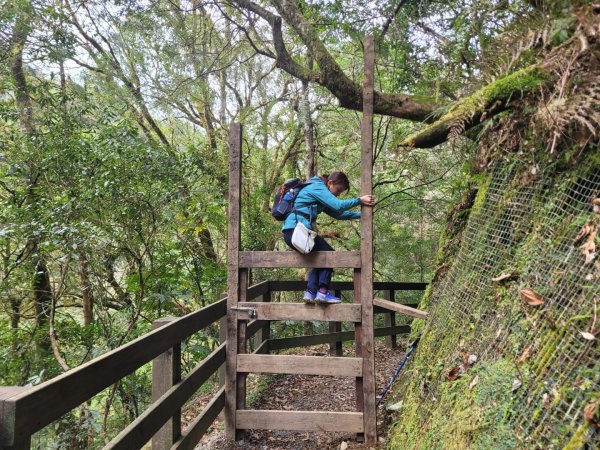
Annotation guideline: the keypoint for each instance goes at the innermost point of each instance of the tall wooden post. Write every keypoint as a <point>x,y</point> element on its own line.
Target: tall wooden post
<point>166,372</point>
<point>233,277</point>
<point>366,247</point>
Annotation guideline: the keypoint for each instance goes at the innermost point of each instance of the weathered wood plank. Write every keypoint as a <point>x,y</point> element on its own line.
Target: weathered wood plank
<point>343,312</point>
<point>300,420</point>
<point>366,247</point>
<point>233,250</point>
<point>141,430</point>
<point>297,285</point>
<point>306,365</point>
<point>325,338</point>
<point>295,259</point>
<point>38,406</point>
<point>189,440</point>
<point>403,309</point>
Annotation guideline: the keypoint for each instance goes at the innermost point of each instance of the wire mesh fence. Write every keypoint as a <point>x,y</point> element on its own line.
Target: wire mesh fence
<point>509,356</point>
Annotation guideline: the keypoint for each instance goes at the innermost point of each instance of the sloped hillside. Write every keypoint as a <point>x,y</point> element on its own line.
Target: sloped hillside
<point>509,357</point>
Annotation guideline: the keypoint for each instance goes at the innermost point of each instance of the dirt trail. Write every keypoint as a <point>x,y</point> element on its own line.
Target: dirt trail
<point>309,393</point>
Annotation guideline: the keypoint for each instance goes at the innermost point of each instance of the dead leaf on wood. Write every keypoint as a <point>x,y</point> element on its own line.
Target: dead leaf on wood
<point>453,374</point>
<point>587,336</point>
<point>504,277</point>
<point>525,355</point>
<point>531,297</point>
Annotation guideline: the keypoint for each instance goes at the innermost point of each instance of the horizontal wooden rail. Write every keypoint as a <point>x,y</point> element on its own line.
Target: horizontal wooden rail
<point>326,338</point>
<point>257,290</point>
<point>403,309</point>
<point>249,419</point>
<point>304,365</point>
<point>296,285</point>
<point>150,421</point>
<point>34,408</point>
<point>343,312</point>
<point>295,259</point>
<point>189,440</point>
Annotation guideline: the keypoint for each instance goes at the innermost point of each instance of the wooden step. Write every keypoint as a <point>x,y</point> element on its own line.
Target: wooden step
<point>294,259</point>
<point>251,419</point>
<point>342,312</point>
<point>305,365</point>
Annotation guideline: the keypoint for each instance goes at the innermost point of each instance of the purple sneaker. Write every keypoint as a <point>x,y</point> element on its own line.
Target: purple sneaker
<point>309,297</point>
<point>327,297</point>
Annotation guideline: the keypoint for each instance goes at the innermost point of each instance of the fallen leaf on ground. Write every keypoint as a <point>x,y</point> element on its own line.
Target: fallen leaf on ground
<point>596,205</point>
<point>585,230</point>
<point>525,355</point>
<point>531,297</point>
<point>587,336</point>
<point>588,248</point>
<point>503,277</point>
<point>474,382</point>
<point>589,413</point>
<point>343,445</point>
<point>453,374</point>
<point>516,384</point>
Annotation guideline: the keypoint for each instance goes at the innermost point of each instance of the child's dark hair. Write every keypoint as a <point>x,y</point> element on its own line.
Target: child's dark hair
<point>337,178</point>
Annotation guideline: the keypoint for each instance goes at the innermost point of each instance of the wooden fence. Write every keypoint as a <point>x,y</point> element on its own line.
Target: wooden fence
<point>26,410</point>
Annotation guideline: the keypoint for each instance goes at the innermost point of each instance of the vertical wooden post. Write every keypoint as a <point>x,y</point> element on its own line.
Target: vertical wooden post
<point>166,372</point>
<point>264,334</point>
<point>233,276</point>
<point>366,246</point>
<point>335,348</point>
<point>389,320</point>
<point>9,440</point>
<point>358,343</point>
<point>242,348</point>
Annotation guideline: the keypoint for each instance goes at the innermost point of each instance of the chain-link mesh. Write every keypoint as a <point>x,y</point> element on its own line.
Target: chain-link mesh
<point>537,367</point>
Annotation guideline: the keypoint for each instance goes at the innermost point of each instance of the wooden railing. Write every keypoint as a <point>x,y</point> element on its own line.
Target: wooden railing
<point>24,411</point>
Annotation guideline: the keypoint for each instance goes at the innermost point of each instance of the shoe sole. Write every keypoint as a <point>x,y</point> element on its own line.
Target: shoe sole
<point>326,302</point>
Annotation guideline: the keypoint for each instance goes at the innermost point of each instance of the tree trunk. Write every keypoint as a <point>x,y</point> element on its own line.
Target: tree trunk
<point>87,296</point>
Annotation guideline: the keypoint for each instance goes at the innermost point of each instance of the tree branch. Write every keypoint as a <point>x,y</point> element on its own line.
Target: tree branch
<point>330,74</point>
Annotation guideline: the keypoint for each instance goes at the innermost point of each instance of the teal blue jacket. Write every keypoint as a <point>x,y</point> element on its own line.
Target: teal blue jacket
<point>317,198</point>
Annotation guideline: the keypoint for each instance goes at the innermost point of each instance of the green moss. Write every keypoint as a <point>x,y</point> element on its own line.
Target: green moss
<point>464,416</point>
<point>523,80</point>
<point>578,440</point>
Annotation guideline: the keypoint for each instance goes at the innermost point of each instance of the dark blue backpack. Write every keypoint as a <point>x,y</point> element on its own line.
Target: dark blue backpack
<point>285,197</point>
